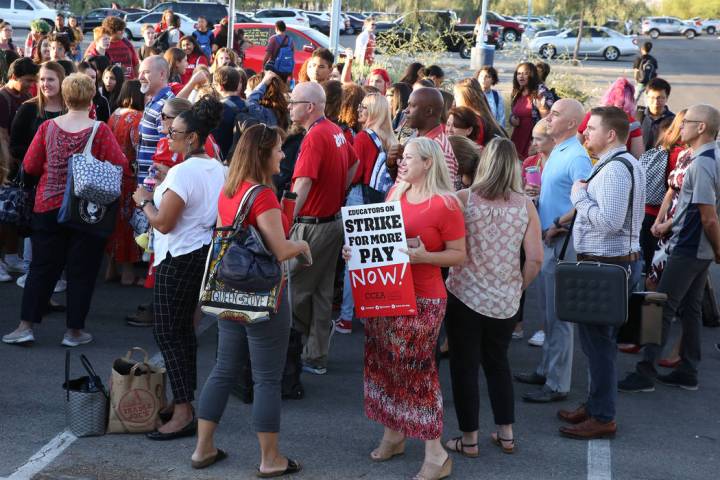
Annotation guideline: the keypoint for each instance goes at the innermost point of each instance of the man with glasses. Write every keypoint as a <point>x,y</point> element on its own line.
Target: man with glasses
<point>365,43</point>
<point>324,169</point>
<point>153,78</point>
<point>695,243</point>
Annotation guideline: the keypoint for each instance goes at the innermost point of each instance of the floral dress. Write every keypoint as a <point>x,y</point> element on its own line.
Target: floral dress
<point>121,245</point>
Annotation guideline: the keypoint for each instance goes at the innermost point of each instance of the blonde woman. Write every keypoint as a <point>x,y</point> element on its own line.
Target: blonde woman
<point>402,388</point>
<point>224,57</point>
<point>370,145</point>
<point>484,292</point>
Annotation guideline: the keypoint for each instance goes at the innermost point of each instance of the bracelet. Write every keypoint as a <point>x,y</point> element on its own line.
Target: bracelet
<point>143,203</point>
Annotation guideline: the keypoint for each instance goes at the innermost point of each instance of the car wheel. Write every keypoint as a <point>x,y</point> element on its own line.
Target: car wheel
<point>689,34</point>
<point>510,35</point>
<point>654,33</point>
<point>465,51</point>
<point>611,54</point>
<point>547,51</point>
<point>711,30</point>
<point>128,34</point>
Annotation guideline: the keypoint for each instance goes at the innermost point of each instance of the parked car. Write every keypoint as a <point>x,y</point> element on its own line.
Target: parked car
<point>359,15</point>
<point>305,39</point>
<point>135,10</point>
<point>347,24</point>
<point>656,26</point>
<point>512,30</point>
<point>595,42</point>
<point>133,29</point>
<point>356,22</point>
<point>94,18</point>
<point>319,24</point>
<point>19,13</point>
<point>213,11</point>
<point>291,16</point>
<point>711,26</point>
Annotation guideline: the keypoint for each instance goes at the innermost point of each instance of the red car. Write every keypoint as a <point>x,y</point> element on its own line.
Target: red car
<point>306,40</point>
<point>511,31</point>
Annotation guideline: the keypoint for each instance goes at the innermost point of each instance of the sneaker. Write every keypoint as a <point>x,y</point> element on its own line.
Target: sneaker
<point>14,265</point>
<point>314,370</point>
<point>518,335</point>
<point>635,382</point>
<point>60,286</point>
<point>143,318</point>
<point>678,378</point>
<point>73,341</point>
<point>20,282</point>
<point>23,336</point>
<point>537,339</point>
<point>343,326</point>
<point>4,275</point>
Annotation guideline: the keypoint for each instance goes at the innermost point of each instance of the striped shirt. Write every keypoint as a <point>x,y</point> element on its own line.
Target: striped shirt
<point>150,131</point>
<point>438,134</point>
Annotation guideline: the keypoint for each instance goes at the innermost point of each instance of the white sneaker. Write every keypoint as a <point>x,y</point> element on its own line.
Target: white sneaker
<point>4,275</point>
<point>537,339</point>
<point>14,265</point>
<point>60,286</point>
<point>20,282</point>
<point>23,336</point>
<point>73,341</point>
<point>518,335</point>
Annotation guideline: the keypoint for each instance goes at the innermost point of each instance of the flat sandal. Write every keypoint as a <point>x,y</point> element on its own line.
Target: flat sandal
<point>459,447</point>
<point>497,440</point>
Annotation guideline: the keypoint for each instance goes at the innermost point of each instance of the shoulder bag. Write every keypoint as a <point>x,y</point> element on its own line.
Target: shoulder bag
<point>16,203</point>
<point>243,280</point>
<point>86,401</point>
<point>95,180</point>
<point>655,162</point>
<point>593,293</point>
<point>380,179</point>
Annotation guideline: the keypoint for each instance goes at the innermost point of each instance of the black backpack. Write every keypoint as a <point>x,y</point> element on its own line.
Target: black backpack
<point>646,71</point>
<point>244,119</point>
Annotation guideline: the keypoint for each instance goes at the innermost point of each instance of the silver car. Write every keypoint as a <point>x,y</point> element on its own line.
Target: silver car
<point>656,26</point>
<point>595,42</point>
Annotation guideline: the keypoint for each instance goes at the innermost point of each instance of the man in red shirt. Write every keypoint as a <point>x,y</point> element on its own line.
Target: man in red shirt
<point>121,51</point>
<point>324,168</point>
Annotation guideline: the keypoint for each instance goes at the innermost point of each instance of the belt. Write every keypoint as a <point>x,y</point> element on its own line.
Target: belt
<point>631,257</point>
<point>317,220</point>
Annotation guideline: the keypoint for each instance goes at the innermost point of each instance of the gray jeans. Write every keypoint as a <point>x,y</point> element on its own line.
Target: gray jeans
<point>268,343</point>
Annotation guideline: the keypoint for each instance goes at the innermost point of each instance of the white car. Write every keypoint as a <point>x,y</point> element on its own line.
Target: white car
<point>710,25</point>
<point>595,42</point>
<point>19,13</point>
<point>291,16</point>
<point>133,29</point>
<point>656,26</point>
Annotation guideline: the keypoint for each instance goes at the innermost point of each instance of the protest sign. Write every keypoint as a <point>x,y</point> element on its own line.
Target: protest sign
<point>380,275</point>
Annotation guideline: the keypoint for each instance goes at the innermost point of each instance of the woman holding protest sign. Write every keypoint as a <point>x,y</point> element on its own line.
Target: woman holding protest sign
<point>402,389</point>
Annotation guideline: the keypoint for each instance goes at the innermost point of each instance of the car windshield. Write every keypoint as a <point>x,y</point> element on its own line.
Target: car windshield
<point>321,39</point>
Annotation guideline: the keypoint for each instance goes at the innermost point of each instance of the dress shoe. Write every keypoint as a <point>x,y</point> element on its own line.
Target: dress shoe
<point>576,416</point>
<point>530,378</point>
<point>544,395</point>
<point>188,431</point>
<point>590,429</point>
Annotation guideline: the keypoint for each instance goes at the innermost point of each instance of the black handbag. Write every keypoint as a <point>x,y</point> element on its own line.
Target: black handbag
<point>590,292</point>
<point>86,401</point>
<point>247,264</point>
<point>16,203</point>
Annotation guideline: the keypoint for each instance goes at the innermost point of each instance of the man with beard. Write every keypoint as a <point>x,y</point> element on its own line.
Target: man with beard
<point>153,78</point>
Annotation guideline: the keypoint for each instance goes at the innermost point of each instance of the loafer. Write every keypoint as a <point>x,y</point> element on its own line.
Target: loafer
<point>590,429</point>
<point>188,431</point>
<point>574,417</point>
<point>530,378</point>
<point>545,395</point>
<point>18,338</point>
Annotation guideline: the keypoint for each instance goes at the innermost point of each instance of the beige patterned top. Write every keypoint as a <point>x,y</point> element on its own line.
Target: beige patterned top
<point>490,280</point>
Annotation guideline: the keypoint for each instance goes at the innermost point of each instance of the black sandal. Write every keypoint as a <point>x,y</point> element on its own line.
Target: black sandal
<point>293,467</point>
<point>497,440</point>
<point>460,448</point>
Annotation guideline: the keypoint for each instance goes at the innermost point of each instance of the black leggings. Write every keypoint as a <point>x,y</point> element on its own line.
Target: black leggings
<point>475,340</point>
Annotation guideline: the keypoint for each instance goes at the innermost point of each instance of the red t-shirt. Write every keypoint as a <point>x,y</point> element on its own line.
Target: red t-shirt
<point>164,156</point>
<point>325,157</point>
<point>480,138</point>
<point>672,162</point>
<point>122,52</point>
<point>367,154</point>
<point>435,223</point>
<point>193,61</point>
<point>266,200</point>
<point>635,130</point>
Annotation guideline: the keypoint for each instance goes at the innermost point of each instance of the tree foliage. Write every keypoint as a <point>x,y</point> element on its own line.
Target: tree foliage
<point>690,8</point>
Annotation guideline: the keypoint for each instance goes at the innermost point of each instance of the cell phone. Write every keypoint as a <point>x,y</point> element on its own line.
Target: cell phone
<point>413,242</point>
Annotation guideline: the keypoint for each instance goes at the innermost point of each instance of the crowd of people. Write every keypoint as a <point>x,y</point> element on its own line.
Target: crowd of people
<point>490,190</point>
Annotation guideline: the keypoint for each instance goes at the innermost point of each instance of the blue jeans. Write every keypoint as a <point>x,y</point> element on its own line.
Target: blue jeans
<point>599,344</point>
<point>355,197</point>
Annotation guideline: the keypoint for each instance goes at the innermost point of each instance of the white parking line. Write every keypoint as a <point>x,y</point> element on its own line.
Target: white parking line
<point>599,461</point>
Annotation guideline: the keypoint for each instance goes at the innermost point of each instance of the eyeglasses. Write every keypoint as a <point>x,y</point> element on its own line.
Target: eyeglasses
<point>164,116</point>
<point>685,121</point>
<point>292,103</point>
<point>172,132</point>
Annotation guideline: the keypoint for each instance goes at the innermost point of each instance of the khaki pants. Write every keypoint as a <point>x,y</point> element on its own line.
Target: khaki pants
<point>312,288</point>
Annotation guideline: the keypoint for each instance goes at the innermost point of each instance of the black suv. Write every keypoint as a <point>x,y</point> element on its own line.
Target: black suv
<point>213,11</point>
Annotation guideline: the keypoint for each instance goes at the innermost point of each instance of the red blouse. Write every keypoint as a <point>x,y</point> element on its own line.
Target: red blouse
<point>47,158</point>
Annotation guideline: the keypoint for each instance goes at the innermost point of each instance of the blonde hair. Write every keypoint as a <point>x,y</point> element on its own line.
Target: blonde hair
<point>147,26</point>
<point>98,33</point>
<point>437,179</point>
<point>378,119</point>
<point>498,173</point>
<point>78,91</point>
<point>234,59</point>
<point>541,128</point>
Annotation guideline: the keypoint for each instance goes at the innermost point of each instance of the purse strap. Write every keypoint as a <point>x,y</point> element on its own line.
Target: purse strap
<point>245,205</point>
<point>87,151</point>
<point>91,372</point>
<point>67,376</point>
<point>617,157</point>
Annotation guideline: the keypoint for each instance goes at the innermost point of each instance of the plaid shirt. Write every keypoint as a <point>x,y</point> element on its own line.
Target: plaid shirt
<point>604,226</point>
<point>150,131</point>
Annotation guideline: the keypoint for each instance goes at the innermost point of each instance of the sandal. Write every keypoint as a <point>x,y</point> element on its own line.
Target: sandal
<point>498,440</point>
<point>456,445</point>
<point>293,467</point>
<point>387,450</point>
<point>431,471</point>
<point>211,460</point>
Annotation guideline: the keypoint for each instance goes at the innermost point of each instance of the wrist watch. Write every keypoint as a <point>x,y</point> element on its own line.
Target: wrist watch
<point>557,223</point>
<point>143,203</point>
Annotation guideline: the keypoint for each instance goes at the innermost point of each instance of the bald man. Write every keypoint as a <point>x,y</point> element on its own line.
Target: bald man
<point>694,244</point>
<point>568,163</point>
<point>323,171</point>
<point>423,114</point>
<point>153,76</point>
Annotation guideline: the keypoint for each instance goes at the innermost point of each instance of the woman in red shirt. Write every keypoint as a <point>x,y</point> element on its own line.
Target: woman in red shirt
<point>195,56</point>
<point>256,160</point>
<point>57,247</point>
<point>402,388</point>
<point>468,93</point>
